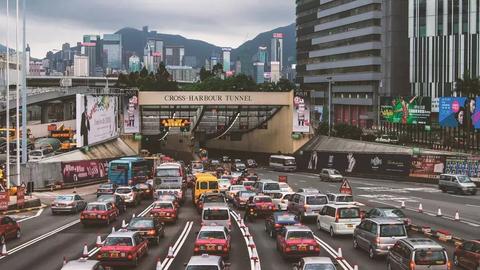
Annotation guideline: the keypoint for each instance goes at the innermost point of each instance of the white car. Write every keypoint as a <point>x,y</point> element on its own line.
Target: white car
<point>339,219</point>
<point>280,200</point>
<point>284,187</point>
<point>233,190</point>
<point>223,184</point>
<point>307,263</point>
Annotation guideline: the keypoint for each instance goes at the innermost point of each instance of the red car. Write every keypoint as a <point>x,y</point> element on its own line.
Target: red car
<point>467,255</point>
<point>213,240</point>
<point>99,213</point>
<point>297,242</point>
<point>248,184</point>
<point>164,211</point>
<point>264,205</point>
<point>9,229</point>
<point>123,248</point>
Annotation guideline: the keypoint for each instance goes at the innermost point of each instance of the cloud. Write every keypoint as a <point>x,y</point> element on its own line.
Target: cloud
<point>221,22</point>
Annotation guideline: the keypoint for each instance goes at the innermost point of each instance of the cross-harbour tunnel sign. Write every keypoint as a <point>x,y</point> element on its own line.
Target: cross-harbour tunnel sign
<point>215,98</point>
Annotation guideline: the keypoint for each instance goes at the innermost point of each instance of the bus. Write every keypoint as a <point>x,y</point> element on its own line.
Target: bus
<point>282,163</point>
<point>129,171</point>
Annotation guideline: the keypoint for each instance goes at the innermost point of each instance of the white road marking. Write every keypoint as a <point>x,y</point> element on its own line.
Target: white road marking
<point>303,181</point>
<point>179,246</point>
<point>471,205</point>
<point>36,215</point>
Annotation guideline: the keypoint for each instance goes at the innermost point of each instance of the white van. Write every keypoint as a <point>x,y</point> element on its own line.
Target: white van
<point>283,163</point>
<point>39,154</point>
<point>216,214</point>
<point>339,218</point>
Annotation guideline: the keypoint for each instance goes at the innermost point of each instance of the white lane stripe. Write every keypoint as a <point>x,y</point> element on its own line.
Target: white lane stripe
<point>253,265</point>
<point>179,247</point>
<point>345,265</point>
<point>164,263</point>
<point>472,205</point>
<point>37,215</point>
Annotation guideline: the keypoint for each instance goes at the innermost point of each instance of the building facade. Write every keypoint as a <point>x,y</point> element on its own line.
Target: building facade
<point>112,48</point>
<point>81,66</point>
<point>226,52</point>
<point>275,74</point>
<point>174,55</point>
<point>277,49</point>
<point>90,48</point>
<point>134,64</point>
<point>444,43</point>
<point>259,72</point>
<point>183,73</point>
<point>361,46</point>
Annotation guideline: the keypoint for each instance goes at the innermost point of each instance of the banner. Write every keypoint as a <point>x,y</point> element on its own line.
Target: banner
<point>301,115</point>
<point>4,198</point>
<point>464,165</point>
<point>452,112</point>
<point>96,119</point>
<point>406,110</point>
<point>86,170</point>
<point>131,115</point>
<point>427,166</point>
<point>20,197</point>
<point>475,107</point>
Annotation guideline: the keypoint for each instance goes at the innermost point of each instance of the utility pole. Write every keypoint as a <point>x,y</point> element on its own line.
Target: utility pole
<point>7,165</point>
<point>330,82</point>
<point>24,88</point>
<point>17,109</point>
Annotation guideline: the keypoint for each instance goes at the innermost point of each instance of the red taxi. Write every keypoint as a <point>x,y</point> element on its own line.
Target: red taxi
<point>297,242</point>
<point>248,184</point>
<point>171,198</point>
<point>99,213</point>
<point>264,205</point>
<point>213,240</point>
<point>164,211</point>
<point>9,229</point>
<point>241,198</point>
<point>123,248</point>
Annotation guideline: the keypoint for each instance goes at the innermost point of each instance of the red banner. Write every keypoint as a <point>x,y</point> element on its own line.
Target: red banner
<point>4,198</point>
<point>20,197</point>
<point>86,170</point>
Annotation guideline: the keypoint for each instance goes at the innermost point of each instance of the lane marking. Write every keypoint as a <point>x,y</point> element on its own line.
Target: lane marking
<point>472,205</point>
<point>180,245</point>
<point>177,246</point>
<point>342,262</point>
<point>253,265</point>
<point>36,215</point>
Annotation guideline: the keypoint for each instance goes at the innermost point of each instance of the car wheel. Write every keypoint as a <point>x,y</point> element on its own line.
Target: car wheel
<point>355,243</point>
<point>18,234</point>
<point>455,260</point>
<point>332,233</point>
<point>371,253</point>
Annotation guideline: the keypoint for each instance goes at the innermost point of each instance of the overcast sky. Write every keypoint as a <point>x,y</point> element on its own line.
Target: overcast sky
<point>221,22</point>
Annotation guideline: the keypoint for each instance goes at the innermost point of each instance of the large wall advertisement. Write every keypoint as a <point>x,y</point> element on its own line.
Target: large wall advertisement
<point>301,115</point>
<point>464,165</point>
<point>85,170</point>
<point>427,166</point>
<point>97,119</point>
<point>131,115</point>
<point>406,110</point>
<point>452,111</point>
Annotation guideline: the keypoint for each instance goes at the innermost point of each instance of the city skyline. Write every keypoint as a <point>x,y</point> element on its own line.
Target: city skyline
<point>70,22</point>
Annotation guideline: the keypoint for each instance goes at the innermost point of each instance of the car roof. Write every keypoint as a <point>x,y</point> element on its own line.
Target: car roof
<point>340,194</point>
<point>212,228</point>
<point>70,194</point>
<point>267,181</point>
<point>298,228</point>
<point>422,243</point>
<point>98,203</point>
<point>386,221</point>
<point>120,187</point>
<point>205,259</point>
<point>122,234</point>
<point>311,194</point>
<point>80,264</point>
<point>346,205</point>
<point>215,205</point>
<point>261,196</point>
<point>320,260</point>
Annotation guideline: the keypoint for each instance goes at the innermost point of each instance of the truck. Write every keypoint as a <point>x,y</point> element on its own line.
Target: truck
<point>170,178</point>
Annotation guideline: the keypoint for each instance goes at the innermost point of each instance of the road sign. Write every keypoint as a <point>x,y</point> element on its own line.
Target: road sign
<point>282,178</point>
<point>345,187</point>
<point>4,198</point>
<point>20,197</point>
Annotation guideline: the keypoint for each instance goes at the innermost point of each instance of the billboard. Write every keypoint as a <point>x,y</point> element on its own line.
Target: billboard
<point>475,108</point>
<point>85,170</point>
<point>452,111</point>
<point>427,166</point>
<point>406,110</point>
<point>97,119</point>
<point>469,166</point>
<point>301,115</point>
<point>131,115</point>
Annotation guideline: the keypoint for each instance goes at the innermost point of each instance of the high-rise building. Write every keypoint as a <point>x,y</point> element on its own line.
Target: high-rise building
<point>183,73</point>
<point>361,46</point>
<point>238,66</point>
<point>275,72</point>
<point>154,51</point>
<point>134,64</point>
<point>81,66</point>
<point>262,54</point>
<point>213,61</point>
<point>277,49</point>
<point>148,57</point>
<point>112,48</point>
<point>259,72</point>
<point>444,44</point>
<point>190,61</point>
<point>174,55</point>
<point>226,52</point>
<point>90,45</point>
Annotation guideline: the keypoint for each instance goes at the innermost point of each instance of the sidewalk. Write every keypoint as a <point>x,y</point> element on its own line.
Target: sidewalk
<point>82,191</point>
<point>31,203</point>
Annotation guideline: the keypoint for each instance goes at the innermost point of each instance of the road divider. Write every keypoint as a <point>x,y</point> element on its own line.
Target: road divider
<point>336,255</point>
<point>173,250</point>
<point>250,243</point>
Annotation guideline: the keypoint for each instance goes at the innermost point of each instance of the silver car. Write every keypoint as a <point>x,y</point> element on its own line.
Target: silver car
<point>307,263</point>
<point>83,264</point>
<point>206,261</point>
<point>455,183</point>
<point>69,203</point>
<point>418,253</point>
<point>330,175</point>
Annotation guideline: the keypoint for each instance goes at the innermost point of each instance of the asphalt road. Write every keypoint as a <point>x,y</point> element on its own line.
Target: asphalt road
<point>55,240</point>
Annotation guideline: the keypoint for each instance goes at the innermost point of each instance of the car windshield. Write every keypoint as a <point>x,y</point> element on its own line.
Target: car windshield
<point>430,257</point>
<point>286,218</point>
<point>106,186</point>
<point>392,230</point>
<point>202,267</point>
<point>168,172</point>
<point>300,235</point>
<point>271,186</point>
<point>223,182</point>
<point>214,198</point>
<point>96,207</point>
<point>207,235</point>
<point>213,184</point>
<point>215,214</point>
<point>344,198</point>
<point>289,162</point>
<point>237,187</point>
<point>64,198</point>
<point>141,223</point>
<point>393,213</point>
<point>123,190</point>
<point>349,212</point>
<point>141,186</point>
<point>36,153</point>
<point>317,200</point>
<point>118,241</point>
<point>464,179</point>
<point>319,266</point>
<point>263,200</point>
<point>163,206</point>
<point>247,194</point>
<point>106,198</point>
<point>166,197</point>
<point>240,166</point>
<point>277,195</point>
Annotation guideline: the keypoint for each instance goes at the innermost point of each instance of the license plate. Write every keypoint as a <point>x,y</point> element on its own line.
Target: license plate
<point>302,248</point>
<point>114,254</point>
<point>209,248</point>
<point>350,225</point>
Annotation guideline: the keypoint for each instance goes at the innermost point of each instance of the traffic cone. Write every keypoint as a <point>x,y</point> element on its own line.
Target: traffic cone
<point>133,216</point>
<point>355,267</point>
<point>251,244</point>
<point>242,224</point>
<point>420,208</point>
<point>247,232</point>
<point>4,250</point>
<point>170,253</point>
<point>64,260</point>
<point>85,251</point>
<point>113,229</point>
<point>124,224</point>
<point>403,205</point>
<point>99,241</point>
<point>439,212</point>
<point>340,255</point>
<point>254,255</point>
<point>457,216</point>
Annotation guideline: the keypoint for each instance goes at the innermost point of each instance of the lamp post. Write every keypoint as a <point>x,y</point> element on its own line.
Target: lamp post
<point>7,94</point>
<point>330,82</point>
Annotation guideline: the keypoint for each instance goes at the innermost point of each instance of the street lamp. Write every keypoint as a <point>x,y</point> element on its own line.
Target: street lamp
<point>330,83</point>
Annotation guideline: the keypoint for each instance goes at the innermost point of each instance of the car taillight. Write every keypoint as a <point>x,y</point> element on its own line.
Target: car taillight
<point>278,226</point>
<point>449,265</point>
<point>412,265</point>
<point>151,232</point>
<point>196,248</point>
<point>99,255</point>
<point>219,248</point>
<point>123,254</point>
<point>337,218</point>
<point>130,256</point>
<point>317,248</point>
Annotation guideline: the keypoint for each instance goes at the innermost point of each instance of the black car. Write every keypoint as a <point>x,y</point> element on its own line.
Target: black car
<point>106,189</point>
<point>149,227</point>
<point>275,222</point>
<point>117,201</point>
<point>251,163</point>
<point>145,190</point>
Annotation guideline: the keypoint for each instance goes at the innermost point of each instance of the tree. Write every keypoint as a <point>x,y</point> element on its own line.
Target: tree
<point>468,86</point>
<point>285,85</point>
<point>144,72</point>
<point>205,74</point>
<point>217,70</point>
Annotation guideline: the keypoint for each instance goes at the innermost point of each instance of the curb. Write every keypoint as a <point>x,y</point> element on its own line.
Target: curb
<point>71,186</point>
<point>24,210</point>
<point>441,235</point>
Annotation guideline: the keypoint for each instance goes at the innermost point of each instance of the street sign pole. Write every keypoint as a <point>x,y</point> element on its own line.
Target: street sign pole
<point>24,88</point>
<point>7,165</point>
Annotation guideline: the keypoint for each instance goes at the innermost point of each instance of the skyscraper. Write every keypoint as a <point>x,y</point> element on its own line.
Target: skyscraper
<point>226,59</point>
<point>81,66</point>
<point>444,43</point>
<point>134,64</point>
<point>277,49</point>
<point>262,54</point>
<point>112,48</point>
<point>174,55</point>
<point>155,47</point>
<point>275,72</point>
<point>238,66</point>
<point>259,72</point>
<point>89,48</point>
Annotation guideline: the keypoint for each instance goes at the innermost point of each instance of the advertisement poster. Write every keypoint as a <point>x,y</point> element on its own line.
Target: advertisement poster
<point>475,107</point>
<point>301,115</point>
<point>427,166</point>
<point>318,113</point>
<point>406,110</point>
<point>97,119</point>
<point>4,198</point>
<point>20,197</point>
<point>453,112</point>
<point>464,166</point>
<point>131,115</point>
<point>86,170</point>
